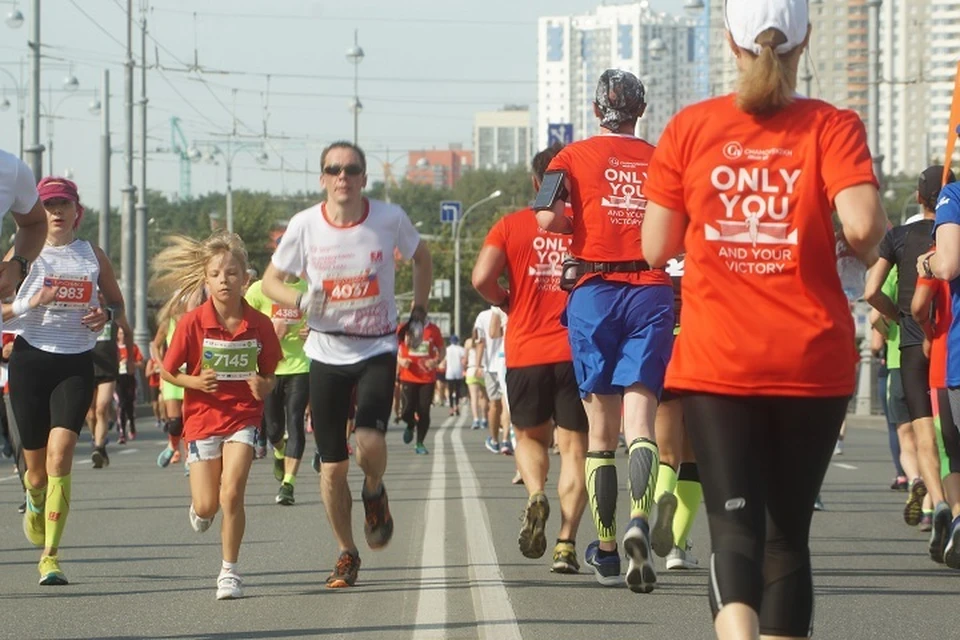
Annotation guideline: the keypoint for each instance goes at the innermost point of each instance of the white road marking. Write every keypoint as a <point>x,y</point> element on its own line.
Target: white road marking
<point>844,465</point>
<point>431,620</point>
<point>127,452</point>
<point>8,478</point>
<point>496,619</point>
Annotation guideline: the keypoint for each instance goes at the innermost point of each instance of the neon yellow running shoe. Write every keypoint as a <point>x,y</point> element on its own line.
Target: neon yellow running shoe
<point>34,524</point>
<point>50,573</point>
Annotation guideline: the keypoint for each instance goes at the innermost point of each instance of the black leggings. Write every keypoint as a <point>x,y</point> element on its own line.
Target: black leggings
<point>127,394</point>
<point>283,412</point>
<point>948,402</point>
<point>455,391</point>
<point>915,372</point>
<point>761,462</point>
<point>416,400</point>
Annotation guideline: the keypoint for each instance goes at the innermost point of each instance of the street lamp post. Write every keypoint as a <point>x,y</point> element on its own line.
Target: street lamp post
<point>35,150</point>
<point>457,227</point>
<point>228,156</point>
<point>355,56</point>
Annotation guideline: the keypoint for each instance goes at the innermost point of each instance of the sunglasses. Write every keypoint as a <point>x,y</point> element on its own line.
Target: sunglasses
<point>352,170</point>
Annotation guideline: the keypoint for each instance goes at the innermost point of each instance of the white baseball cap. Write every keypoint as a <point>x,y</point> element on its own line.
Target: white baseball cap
<point>747,19</point>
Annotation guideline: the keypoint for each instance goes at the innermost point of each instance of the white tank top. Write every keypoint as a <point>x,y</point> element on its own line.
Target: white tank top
<point>75,271</point>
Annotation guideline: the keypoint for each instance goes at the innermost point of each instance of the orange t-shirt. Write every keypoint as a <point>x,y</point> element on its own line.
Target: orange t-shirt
<point>942,317</point>
<point>429,349</point>
<point>534,257</point>
<point>606,174</point>
<point>763,310</point>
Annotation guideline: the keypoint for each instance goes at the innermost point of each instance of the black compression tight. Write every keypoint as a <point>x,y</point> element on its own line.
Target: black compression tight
<point>762,461</point>
<point>416,406</point>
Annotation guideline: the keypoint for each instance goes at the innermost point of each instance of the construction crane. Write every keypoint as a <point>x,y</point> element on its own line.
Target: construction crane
<point>188,155</point>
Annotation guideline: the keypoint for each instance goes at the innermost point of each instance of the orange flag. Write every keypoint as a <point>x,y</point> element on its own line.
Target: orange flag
<point>954,123</point>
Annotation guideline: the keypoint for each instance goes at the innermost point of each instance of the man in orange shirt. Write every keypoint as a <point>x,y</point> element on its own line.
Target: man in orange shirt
<point>418,377</point>
<point>541,384</point>
<point>619,316</point>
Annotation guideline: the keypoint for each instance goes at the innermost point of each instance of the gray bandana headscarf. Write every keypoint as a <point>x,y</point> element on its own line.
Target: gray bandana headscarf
<point>620,96</point>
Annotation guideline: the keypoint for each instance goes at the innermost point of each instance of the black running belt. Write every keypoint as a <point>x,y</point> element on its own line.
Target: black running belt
<point>630,266</point>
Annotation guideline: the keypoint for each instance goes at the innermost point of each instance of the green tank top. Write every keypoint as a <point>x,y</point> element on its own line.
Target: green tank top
<point>294,361</point>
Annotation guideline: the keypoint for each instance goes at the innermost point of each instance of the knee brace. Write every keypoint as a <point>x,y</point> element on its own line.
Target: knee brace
<point>174,426</point>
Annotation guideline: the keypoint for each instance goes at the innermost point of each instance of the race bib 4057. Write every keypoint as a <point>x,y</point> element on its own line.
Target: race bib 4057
<point>352,291</point>
<point>231,360</point>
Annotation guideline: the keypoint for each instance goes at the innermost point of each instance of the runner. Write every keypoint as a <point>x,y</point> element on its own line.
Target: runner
<point>487,347</point>
<point>475,387</point>
<point>346,245</point>
<point>230,351</point>
<point>944,264</point>
<point>903,246</point>
<point>284,409</point>
<point>172,395</point>
<point>763,405</point>
<point>541,385</point>
<point>51,366</point>
<point>418,375</point>
<point>456,362</point>
<point>127,386</point>
<point>156,400</point>
<point>619,316</point>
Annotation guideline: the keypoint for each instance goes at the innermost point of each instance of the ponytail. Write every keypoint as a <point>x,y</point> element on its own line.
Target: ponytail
<point>767,81</point>
<point>180,268</point>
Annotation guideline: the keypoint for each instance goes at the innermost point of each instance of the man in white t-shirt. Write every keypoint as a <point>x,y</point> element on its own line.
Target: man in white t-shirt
<point>346,247</point>
<point>455,372</point>
<point>489,348</point>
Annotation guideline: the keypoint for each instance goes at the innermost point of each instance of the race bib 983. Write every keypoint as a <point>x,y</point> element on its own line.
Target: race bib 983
<point>72,292</point>
<point>231,360</point>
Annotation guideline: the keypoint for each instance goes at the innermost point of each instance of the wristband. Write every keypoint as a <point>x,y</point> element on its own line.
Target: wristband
<point>20,306</point>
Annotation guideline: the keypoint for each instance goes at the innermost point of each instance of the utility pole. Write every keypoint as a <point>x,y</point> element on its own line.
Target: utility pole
<point>141,333</point>
<point>35,150</point>
<point>126,214</point>
<point>104,226</point>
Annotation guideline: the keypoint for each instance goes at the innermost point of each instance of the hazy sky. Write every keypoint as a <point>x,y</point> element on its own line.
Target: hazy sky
<point>429,66</point>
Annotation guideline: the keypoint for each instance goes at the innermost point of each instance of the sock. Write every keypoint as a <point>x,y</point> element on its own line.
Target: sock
<point>56,509</point>
<point>228,566</point>
<point>927,512</point>
<point>643,470</point>
<point>689,495</point>
<point>601,470</point>
<point>280,450</point>
<point>289,478</point>
<point>666,481</point>
<point>36,495</point>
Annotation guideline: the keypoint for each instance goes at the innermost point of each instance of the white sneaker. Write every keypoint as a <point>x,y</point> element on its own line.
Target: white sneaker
<point>680,560</point>
<point>229,585</point>
<point>838,449</point>
<point>199,524</point>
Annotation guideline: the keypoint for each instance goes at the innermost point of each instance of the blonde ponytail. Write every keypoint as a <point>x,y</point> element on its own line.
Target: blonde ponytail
<point>180,268</point>
<point>767,82</point>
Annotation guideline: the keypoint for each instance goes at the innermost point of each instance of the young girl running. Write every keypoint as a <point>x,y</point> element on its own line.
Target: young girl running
<point>230,352</point>
<point>51,366</point>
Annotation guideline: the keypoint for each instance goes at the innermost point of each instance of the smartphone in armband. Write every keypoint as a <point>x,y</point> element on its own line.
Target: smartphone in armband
<point>551,190</point>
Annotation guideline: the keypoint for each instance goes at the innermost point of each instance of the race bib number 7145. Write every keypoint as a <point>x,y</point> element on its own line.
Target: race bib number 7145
<point>231,360</point>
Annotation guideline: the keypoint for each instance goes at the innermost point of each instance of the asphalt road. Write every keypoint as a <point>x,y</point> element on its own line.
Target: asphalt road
<point>453,570</point>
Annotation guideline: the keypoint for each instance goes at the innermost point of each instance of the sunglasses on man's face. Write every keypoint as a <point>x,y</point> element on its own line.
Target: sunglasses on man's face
<point>352,170</point>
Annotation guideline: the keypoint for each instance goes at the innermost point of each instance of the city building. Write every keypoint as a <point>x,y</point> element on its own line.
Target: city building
<point>941,33</point>
<point>503,139</point>
<point>438,168</point>
<point>574,50</point>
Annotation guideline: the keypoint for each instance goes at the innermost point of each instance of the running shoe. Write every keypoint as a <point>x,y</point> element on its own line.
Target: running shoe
<point>492,445</point>
<point>900,483</point>
<point>260,451</point>
<point>565,558</point>
<point>661,538</point>
<point>23,507</point>
<point>345,573</point>
<point>34,524</point>
<point>681,559</point>
<point>408,435</point>
<point>278,468</point>
<point>50,573</point>
<point>165,458</point>
<point>122,438</point>
<point>506,448</point>
<point>451,412</point>
<point>951,555</point>
<point>942,519</point>
<point>229,585</point>
<point>533,542</point>
<point>100,458</point>
<point>606,568</point>
<point>421,450</point>
<point>641,576</point>
<point>186,469</point>
<point>349,448</point>
<point>475,425</point>
<point>913,510</point>
<point>378,527</point>
<point>483,423</point>
<point>926,523</point>
<point>285,495</point>
<point>133,431</point>
<point>199,524</point>
<point>818,504</point>
<point>517,478</point>
<point>316,461</point>
<point>838,449</point>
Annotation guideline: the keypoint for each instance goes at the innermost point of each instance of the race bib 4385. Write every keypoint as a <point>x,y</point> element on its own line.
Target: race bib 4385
<point>286,314</point>
<point>231,360</point>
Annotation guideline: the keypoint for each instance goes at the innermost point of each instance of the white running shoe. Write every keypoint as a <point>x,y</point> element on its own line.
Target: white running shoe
<point>229,585</point>
<point>199,524</point>
<point>838,449</point>
<point>681,560</point>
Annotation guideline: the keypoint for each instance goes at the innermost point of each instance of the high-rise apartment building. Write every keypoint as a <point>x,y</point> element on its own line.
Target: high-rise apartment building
<point>503,139</point>
<point>573,51</point>
<point>941,33</point>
